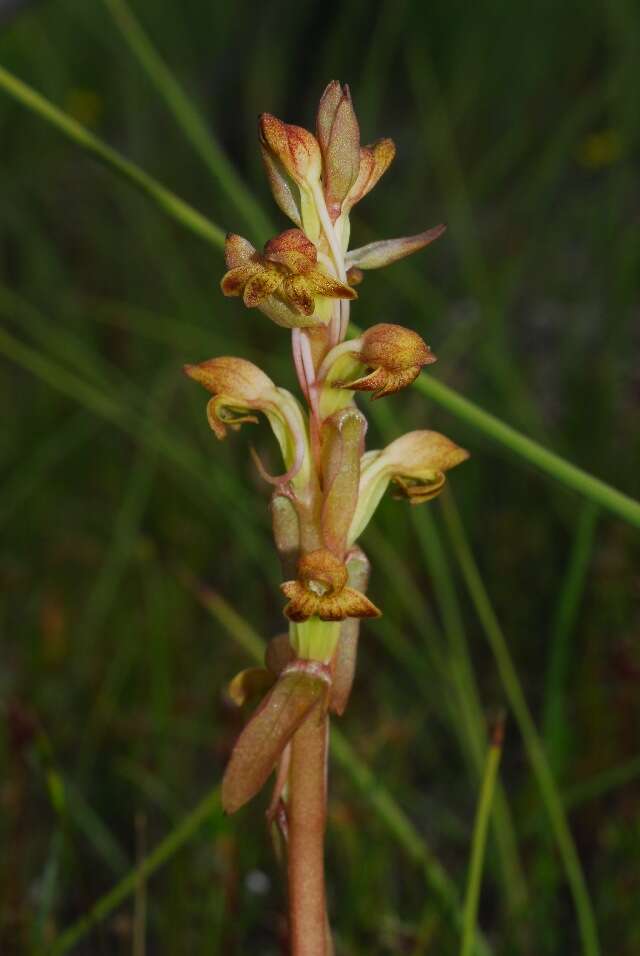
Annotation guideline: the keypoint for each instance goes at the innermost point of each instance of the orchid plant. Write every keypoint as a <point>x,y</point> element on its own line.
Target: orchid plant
<point>305,280</point>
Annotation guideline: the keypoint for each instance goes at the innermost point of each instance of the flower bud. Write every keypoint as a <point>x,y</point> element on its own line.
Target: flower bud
<point>339,138</point>
<point>321,591</point>
<point>395,354</point>
<point>295,148</point>
<point>417,460</point>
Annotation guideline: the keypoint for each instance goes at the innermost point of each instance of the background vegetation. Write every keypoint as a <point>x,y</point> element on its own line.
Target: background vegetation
<point>516,124</point>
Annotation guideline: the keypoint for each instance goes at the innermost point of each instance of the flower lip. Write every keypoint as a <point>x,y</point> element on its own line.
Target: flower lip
<point>321,591</point>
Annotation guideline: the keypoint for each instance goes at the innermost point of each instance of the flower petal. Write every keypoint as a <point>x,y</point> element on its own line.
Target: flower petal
<point>234,281</point>
<point>293,250</point>
<point>261,285</point>
<point>382,382</point>
<point>238,251</point>
<point>374,162</point>
<point>320,284</point>
<point>296,290</point>
<point>233,376</point>
<point>302,603</point>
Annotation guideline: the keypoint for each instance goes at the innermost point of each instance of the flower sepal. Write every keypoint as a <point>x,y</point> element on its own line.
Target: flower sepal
<point>383,253</point>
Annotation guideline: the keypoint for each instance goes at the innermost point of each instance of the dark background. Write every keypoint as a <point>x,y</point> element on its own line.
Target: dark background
<point>517,124</point>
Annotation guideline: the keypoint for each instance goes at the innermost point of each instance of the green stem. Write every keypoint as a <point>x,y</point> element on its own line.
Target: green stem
<point>306,821</point>
<point>168,201</point>
<point>532,742</point>
<point>479,843</point>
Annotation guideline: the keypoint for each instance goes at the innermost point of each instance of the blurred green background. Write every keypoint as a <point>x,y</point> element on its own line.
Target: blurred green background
<point>517,125</point>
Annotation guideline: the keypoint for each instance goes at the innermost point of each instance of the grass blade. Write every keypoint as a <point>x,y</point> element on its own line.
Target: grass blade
<point>163,197</point>
<point>479,840</point>
<point>552,464</point>
<point>532,742</point>
<point>188,118</point>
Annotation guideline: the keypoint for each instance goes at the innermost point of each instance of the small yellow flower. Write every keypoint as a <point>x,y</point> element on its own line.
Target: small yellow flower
<point>285,273</point>
<point>321,591</point>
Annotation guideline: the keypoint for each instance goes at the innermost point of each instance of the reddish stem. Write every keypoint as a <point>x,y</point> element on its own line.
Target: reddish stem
<point>306,815</point>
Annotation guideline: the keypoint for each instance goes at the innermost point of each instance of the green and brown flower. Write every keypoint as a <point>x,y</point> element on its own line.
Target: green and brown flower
<point>284,281</point>
<point>321,591</point>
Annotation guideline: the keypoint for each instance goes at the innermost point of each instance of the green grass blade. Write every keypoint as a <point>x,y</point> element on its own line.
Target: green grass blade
<point>554,718</point>
<point>479,842</point>
<point>552,464</point>
<point>467,717</point>
<point>468,701</point>
<point>189,118</point>
<point>209,808</point>
<point>163,197</point>
<point>532,742</point>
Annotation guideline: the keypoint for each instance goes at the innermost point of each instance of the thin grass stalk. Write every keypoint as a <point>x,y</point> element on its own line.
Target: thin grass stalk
<point>479,840</point>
